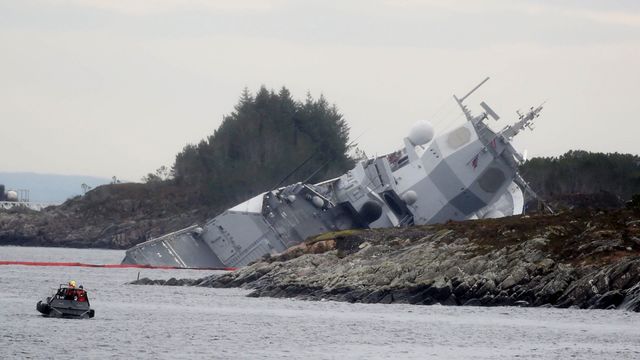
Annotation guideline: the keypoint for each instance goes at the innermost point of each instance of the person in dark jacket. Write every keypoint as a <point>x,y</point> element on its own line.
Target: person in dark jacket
<point>81,295</point>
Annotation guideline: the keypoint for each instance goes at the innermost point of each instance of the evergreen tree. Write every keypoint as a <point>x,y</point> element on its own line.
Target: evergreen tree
<point>584,172</point>
<point>266,137</point>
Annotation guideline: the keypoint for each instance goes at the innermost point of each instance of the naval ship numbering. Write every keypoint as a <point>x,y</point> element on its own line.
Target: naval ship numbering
<point>470,172</point>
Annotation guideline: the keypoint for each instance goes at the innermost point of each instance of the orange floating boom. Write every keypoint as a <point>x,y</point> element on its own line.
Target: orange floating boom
<point>111,266</point>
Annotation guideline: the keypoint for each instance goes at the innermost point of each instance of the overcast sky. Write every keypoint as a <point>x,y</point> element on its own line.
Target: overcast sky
<point>118,87</point>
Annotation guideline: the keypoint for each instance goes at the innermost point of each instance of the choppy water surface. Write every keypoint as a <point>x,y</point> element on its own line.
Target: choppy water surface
<point>187,322</point>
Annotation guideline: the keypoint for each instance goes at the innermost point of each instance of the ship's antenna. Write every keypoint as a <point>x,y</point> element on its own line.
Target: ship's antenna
<point>327,162</point>
<point>308,159</point>
<point>465,110</point>
<point>296,169</point>
<point>524,184</point>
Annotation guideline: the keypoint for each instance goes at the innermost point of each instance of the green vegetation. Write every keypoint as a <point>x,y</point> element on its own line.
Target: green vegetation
<point>265,138</point>
<point>584,172</point>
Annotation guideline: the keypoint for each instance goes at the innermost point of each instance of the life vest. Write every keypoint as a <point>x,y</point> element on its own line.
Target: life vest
<point>69,294</point>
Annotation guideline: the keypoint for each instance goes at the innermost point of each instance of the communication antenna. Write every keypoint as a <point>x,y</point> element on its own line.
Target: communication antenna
<point>527,188</point>
<point>465,110</point>
<point>308,159</point>
<point>489,111</point>
<point>296,169</point>
<point>328,161</point>
<point>23,195</point>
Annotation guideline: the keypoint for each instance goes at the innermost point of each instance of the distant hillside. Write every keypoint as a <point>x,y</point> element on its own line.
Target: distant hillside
<point>49,188</point>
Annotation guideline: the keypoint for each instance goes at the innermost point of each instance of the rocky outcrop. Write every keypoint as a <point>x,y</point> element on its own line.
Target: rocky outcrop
<point>169,282</point>
<point>113,216</point>
<point>577,259</point>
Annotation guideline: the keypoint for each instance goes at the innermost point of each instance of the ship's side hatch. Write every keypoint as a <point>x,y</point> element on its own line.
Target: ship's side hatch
<point>398,207</point>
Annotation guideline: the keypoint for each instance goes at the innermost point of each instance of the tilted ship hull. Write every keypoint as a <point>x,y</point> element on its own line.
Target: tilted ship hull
<point>469,172</point>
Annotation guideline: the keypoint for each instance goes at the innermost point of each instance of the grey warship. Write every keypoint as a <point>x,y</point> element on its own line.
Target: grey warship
<point>470,172</point>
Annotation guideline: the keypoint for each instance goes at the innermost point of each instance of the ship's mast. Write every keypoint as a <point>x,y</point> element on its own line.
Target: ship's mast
<point>525,120</point>
<point>464,108</point>
<point>505,135</point>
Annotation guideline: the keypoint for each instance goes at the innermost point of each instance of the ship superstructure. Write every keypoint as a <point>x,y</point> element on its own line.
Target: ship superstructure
<point>469,172</point>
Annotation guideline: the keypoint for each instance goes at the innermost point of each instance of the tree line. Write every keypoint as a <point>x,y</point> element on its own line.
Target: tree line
<point>267,136</point>
<point>583,172</point>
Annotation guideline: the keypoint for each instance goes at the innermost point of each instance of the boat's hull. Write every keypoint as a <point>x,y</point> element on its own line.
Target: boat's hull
<point>64,309</point>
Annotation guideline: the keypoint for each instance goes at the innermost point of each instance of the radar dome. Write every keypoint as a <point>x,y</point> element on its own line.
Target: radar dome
<point>317,201</point>
<point>421,133</point>
<point>410,197</point>
<point>12,195</point>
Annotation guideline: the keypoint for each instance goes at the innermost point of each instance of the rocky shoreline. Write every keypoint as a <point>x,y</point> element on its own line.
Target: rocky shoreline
<point>115,216</point>
<point>582,259</point>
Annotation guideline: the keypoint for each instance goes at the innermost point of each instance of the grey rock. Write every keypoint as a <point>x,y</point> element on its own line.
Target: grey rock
<point>611,298</point>
<point>473,302</point>
<point>465,263</point>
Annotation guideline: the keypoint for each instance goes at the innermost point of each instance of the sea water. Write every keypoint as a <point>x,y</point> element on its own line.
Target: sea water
<point>191,322</point>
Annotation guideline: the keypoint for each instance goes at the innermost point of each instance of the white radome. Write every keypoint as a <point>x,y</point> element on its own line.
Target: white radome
<point>421,133</point>
<point>12,195</point>
<point>410,197</point>
<point>317,201</point>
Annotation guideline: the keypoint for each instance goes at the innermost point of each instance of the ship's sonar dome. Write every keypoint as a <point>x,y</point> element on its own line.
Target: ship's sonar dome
<point>421,133</point>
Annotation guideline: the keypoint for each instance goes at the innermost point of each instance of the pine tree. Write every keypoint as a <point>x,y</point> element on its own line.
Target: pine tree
<point>266,137</point>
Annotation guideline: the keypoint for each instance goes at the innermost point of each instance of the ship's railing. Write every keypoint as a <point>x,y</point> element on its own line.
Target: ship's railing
<point>189,229</point>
